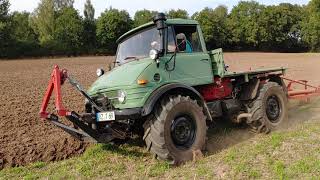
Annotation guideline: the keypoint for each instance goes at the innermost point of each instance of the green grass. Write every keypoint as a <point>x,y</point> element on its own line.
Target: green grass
<point>288,154</point>
<point>280,155</point>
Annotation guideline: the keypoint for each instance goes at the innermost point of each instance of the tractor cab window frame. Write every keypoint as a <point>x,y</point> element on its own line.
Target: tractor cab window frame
<point>190,33</point>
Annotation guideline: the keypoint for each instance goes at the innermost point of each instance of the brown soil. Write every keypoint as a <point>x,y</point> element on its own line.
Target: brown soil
<point>25,138</point>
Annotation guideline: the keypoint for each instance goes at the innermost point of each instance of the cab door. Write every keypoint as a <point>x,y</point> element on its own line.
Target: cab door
<point>191,67</point>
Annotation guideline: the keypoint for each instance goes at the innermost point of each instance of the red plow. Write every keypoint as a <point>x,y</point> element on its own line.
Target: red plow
<point>306,93</point>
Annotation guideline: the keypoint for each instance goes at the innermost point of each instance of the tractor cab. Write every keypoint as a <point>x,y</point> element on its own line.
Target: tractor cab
<point>157,53</point>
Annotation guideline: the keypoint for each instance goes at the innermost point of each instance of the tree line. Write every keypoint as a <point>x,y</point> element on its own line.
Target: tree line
<point>55,28</point>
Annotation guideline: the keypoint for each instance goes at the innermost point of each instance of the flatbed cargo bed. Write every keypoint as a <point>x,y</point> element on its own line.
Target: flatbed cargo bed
<point>254,72</point>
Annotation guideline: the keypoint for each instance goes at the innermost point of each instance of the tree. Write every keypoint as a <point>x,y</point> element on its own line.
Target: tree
<point>89,25</point>
<point>60,4</point>
<point>69,31</point>
<point>179,13</point>
<point>43,22</point>
<point>281,26</point>
<point>143,16</point>
<point>23,32</point>
<point>111,25</point>
<point>213,23</point>
<point>311,25</point>
<point>4,9</point>
<point>89,11</point>
<point>25,39</point>
<point>243,24</point>
<point>6,38</point>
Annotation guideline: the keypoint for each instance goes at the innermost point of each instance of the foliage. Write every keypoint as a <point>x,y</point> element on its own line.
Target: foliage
<point>281,26</point>
<point>56,28</point>
<point>243,24</point>
<point>68,31</point>
<point>22,29</point>
<point>6,39</point>
<point>111,25</point>
<point>60,4</point>
<point>213,24</point>
<point>89,11</point>
<point>143,16</point>
<point>179,13</point>
<point>4,9</point>
<point>43,21</point>
<point>311,25</point>
<point>25,38</point>
<point>89,25</point>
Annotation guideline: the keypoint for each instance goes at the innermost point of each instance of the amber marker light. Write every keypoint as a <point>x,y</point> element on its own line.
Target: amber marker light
<point>142,81</point>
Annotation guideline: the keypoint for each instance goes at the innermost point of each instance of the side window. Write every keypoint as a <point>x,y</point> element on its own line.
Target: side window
<point>188,39</point>
<point>171,41</point>
<point>196,43</point>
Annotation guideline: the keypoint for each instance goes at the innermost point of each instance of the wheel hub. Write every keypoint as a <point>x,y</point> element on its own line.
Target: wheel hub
<point>273,109</point>
<point>183,130</point>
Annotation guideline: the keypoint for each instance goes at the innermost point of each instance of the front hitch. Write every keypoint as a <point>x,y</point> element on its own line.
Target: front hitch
<point>58,77</point>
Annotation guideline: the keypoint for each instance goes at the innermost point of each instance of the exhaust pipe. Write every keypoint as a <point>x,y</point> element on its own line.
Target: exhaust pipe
<point>246,116</point>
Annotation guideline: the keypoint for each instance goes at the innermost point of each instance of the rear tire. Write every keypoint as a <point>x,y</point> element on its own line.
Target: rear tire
<point>269,110</point>
<point>176,130</point>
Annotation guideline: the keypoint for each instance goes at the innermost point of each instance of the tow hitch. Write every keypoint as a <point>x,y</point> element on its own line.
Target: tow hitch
<point>87,133</point>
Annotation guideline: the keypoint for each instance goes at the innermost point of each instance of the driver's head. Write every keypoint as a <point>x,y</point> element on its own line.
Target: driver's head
<point>181,41</point>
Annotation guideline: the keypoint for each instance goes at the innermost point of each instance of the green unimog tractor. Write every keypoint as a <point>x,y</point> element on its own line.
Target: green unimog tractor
<point>168,88</point>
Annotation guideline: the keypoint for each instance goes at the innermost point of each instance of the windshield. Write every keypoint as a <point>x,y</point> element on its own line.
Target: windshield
<point>139,45</point>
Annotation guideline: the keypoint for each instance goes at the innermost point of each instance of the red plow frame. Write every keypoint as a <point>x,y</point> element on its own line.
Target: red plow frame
<point>305,94</point>
<point>58,77</point>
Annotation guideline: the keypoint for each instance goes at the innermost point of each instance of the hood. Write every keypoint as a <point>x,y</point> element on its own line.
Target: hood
<point>124,75</point>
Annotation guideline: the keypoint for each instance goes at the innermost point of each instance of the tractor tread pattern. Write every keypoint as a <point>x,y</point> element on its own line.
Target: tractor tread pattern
<point>154,126</point>
<point>257,122</point>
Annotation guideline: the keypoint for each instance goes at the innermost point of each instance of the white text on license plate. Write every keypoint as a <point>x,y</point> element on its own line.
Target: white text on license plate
<point>106,116</point>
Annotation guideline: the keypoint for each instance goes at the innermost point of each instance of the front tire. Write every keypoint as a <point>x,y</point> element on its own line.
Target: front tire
<point>269,110</point>
<point>176,130</point>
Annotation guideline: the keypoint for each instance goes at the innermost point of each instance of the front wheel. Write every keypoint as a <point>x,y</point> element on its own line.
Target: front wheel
<point>176,130</point>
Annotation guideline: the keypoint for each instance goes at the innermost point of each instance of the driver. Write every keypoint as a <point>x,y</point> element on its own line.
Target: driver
<point>183,44</point>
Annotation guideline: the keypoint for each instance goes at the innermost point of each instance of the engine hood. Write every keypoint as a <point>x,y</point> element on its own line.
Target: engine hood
<point>124,75</point>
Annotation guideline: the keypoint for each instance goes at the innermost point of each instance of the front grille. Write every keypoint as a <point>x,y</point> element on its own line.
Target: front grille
<point>102,102</point>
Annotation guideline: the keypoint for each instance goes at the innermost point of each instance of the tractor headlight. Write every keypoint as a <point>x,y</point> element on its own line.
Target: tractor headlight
<point>100,72</point>
<point>154,54</point>
<point>122,96</point>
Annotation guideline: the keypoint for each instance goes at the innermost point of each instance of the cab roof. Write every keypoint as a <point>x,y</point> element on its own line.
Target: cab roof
<point>149,24</point>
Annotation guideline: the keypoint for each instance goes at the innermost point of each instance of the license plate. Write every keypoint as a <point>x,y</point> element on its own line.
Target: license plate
<point>106,116</point>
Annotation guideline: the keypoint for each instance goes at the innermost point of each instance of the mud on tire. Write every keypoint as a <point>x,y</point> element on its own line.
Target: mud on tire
<point>176,130</point>
<point>269,109</point>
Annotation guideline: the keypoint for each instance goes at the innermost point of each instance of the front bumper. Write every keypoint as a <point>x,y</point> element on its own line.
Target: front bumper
<point>124,114</point>
<point>87,133</point>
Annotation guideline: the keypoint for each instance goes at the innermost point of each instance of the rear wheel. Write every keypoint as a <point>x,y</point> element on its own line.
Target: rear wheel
<point>176,130</point>
<point>269,109</point>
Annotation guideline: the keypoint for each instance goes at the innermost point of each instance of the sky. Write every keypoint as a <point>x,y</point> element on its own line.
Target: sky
<point>132,6</point>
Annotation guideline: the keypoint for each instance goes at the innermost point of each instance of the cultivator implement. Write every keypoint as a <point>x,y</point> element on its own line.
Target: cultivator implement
<point>306,93</point>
